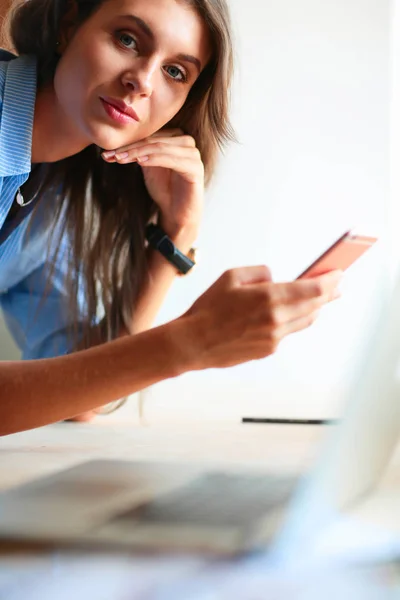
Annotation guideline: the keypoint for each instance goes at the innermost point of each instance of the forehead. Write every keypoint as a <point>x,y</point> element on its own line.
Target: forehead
<point>176,26</point>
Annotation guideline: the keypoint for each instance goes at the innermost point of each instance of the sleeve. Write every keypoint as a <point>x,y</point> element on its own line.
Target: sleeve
<point>38,315</point>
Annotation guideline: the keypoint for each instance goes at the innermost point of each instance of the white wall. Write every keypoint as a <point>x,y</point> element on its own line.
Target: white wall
<point>311,109</point>
<point>394,205</point>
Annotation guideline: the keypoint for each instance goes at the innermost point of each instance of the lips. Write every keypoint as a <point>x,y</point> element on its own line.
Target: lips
<point>121,107</point>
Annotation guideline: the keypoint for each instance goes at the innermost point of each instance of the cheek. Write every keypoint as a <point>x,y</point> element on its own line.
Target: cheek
<point>167,108</point>
<point>64,83</point>
<point>80,64</point>
<point>74,78</point>
<point>68,77</point>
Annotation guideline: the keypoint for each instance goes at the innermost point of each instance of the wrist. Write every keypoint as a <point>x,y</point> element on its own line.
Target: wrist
<point>180,346</point>
<point>182,236</point>
<point>159,240</point>
<point>185,338</point>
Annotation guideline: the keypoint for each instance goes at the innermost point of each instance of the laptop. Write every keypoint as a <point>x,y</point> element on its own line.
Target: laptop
<point>175,507</point>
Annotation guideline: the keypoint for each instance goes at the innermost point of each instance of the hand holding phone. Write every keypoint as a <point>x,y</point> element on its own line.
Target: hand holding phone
<point>340,256</point>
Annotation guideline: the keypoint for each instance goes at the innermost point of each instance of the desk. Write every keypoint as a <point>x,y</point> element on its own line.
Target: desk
<point>28,455</point>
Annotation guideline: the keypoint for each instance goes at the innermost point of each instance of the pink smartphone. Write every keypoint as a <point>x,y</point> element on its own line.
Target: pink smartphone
<point>343,253</point>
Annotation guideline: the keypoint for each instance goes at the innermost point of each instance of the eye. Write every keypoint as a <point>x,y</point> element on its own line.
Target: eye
<point>127,40</point>
<point>176,73</point>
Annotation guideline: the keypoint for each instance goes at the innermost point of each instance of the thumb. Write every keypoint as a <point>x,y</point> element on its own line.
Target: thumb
<point>250,275</point>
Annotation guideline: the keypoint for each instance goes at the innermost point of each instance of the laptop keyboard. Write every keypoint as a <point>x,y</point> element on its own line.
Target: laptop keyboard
<point>217,499</point>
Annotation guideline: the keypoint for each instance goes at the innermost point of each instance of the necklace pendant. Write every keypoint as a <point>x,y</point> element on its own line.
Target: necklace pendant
<point>19,198</point>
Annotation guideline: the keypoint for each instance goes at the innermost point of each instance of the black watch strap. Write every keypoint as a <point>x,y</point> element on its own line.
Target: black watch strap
<point>159,240</point>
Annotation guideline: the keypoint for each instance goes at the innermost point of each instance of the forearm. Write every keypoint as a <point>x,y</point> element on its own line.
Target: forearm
<point>160,279</point>
<point>35,393</point>
<point>161,276</point>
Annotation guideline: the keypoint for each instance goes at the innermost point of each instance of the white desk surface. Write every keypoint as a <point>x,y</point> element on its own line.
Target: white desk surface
<point>25,456</point>
<point>28,455</point>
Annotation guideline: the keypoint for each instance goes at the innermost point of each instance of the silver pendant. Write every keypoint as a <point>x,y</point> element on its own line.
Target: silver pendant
<point>19,198</point>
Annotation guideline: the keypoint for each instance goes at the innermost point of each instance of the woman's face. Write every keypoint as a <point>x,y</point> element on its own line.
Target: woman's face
<point>139,56</point>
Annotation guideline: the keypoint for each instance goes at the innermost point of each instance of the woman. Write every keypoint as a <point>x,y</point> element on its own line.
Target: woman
<point>111,118</point>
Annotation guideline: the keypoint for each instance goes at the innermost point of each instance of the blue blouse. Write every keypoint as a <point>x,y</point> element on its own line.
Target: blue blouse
<point>37,320</point>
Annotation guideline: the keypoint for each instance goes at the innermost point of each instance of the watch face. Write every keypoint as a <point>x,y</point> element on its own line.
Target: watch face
<point>166,247</point>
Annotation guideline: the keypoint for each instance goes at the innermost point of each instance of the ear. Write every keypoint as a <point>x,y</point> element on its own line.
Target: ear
<point>68,25</point>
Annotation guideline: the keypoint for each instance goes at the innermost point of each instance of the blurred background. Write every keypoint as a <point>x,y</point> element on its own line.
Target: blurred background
<point>311,109</point>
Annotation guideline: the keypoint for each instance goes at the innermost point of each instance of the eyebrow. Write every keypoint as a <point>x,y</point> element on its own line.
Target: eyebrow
<point>190,59</point>
<point>149,33</point>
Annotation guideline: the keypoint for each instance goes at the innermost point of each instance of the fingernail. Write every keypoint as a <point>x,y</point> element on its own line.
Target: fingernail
<point>142,158</point>
<point>108,154</point>
<point>122,155</point>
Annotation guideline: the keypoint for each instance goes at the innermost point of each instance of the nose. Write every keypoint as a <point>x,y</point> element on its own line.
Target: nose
<point>140,79</point>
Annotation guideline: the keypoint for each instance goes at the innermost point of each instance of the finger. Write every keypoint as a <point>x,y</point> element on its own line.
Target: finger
<point>242,276</point>
<point>287,313</point>
<point>305,315</point>
<point>171,135</point>
<point>273,335</point>
<point>330,283</point>
<point>329,280</point>
<point>192,170</point>
<point>159,148</point>
<point>185,141</point>
<point>305,289</point>
<point>182,140</point>
<point>296,325</point>
<point>293,292</point>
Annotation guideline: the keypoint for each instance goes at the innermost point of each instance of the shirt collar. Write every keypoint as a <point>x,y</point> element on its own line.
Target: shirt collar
<point>17,114</point>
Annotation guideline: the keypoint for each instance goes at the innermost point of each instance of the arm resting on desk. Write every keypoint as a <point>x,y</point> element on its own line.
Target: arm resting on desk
<point>39,392</point>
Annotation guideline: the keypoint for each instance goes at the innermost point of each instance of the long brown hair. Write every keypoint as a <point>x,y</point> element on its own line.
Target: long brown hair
<point>105,207</point>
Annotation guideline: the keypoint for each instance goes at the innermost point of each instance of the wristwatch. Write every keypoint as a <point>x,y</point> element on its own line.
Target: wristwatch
<point>159,240</point>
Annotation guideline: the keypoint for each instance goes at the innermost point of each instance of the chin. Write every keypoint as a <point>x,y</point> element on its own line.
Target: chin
<point>109,138</point>
<point>107,143</point>
<point>106,138</point>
